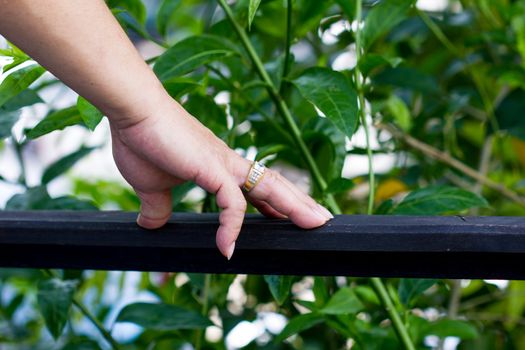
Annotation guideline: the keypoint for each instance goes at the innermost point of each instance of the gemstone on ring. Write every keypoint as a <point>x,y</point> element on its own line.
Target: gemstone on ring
<point>255,175</point>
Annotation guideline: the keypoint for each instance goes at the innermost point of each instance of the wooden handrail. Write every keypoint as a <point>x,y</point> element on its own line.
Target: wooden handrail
<point>349,245</point>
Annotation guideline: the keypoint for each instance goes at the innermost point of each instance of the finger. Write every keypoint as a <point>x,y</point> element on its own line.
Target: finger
<point>273,190</point>
<point>155,209</point>
<point>266,209</point>
<point>305,197</point>
<point>231,200</point>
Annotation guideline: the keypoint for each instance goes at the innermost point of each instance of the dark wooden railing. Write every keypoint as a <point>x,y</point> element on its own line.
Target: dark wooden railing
<point>349,245</point>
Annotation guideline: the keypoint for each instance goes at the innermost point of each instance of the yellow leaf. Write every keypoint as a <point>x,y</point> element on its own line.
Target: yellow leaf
<point>519,148</point>
<point>389,188</point>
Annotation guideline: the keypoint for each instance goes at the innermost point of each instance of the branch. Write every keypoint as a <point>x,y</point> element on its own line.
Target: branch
<point>443,157</point>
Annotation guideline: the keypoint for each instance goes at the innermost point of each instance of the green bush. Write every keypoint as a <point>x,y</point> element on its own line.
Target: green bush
<point>443,91</point>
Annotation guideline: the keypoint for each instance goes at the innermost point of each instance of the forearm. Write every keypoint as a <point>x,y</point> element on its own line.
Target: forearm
<point>82,44</point>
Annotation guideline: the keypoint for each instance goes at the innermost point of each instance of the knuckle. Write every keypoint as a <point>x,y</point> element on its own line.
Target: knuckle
<point>209,180</point>
<point>271,177</point>
<point>239,204</point>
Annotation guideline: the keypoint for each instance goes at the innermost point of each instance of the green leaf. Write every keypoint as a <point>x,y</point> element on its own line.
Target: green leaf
<point>372,61</point>
<point>409,78</point>
<point>56,120</point>
<point>332,94</point>
<point>411,288</point>
<point>252,10</point>
<point>62,165</point>
<point>37,198</point>
<point>509,113</point>
<point>16,54</point>
<point>135,8</point>
<point>89,113</point>
<point>54,300</point>
<point>366,294</point>
<point>191,53</point>
<point>165,14</point>
<point>320,290</point>
<point>344,301</point>
<point>310,305</point>
<point>279,286</point>
<point>12,51</point>
<point>27,97</point>
<point>176,87</point>
<point>327,143</point>
<point>81,343</point>
<point>436,200</point>
<point>339,185</point>
<point>400,112</point>
<point>69,203</point>
<point>451,328</point>
<point>129,23</point>
<point>32,198</point>
<point>298,324</point>
<point>179,192</point>
<point>383,17</point>
<point>18,81</point>
<point>15,63</point>
<point>385,208</point>
<point>269,150</point>
<point>7,120</point>
<point>348,8</point>
<point>204,108</point>
<point>162,317</point>
<point>515,303</point>
<point>10,308</point>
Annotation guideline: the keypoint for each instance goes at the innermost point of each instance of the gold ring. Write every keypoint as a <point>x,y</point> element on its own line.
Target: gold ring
<point>255,175</point>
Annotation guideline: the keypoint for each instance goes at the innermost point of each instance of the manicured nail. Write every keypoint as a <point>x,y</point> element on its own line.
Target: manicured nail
<point>229,251</point>
<point>325,212</point>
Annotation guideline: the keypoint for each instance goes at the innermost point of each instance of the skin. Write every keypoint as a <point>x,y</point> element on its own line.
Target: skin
<point>156,143</point>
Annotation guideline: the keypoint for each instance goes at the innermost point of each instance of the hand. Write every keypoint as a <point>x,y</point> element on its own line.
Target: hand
<point>168,146</point>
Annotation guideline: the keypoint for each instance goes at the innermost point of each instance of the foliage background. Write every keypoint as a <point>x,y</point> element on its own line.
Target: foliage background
<point>443,90</point>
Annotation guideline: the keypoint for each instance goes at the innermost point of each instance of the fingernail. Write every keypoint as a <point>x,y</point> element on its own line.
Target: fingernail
<point>325,212</point>
<point>229,251</point>
<point>320,215</point>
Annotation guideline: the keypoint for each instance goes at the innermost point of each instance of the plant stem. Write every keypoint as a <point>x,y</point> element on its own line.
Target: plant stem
<point>205,295</point>
<point>286,67</point>
<point>282,107</point>
<point>453,306</point>
<point>443,157</point>
<point>377,283</point>
<point>455,299</point>
<point>399,327</point>
<point>99,326</point>
<point>484,162</point>
<point>362,111</point>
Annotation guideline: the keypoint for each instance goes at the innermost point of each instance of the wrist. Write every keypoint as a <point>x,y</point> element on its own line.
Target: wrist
<point>143,103</point>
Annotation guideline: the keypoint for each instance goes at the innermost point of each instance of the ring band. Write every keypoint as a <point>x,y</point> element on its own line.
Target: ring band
<point>255,175</point>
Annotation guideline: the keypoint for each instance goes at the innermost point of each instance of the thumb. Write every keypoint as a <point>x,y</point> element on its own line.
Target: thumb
<point>155,209</point>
